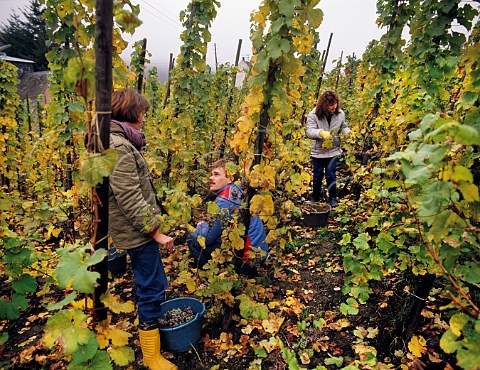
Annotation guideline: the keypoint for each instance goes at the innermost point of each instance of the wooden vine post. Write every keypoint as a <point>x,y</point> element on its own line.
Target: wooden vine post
<point>324,65</point>
<point>169,79</point>
<point>339,66</point>
<point>142,66</point>
<point>230,100</point>
<point>103,103</point>
<point>257,159</point>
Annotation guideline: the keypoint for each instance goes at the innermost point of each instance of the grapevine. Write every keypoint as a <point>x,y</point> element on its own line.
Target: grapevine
<point>412,102</point>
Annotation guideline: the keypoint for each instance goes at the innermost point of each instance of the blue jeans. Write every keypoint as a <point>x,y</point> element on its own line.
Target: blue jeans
<point>324,167</point>
<point>150,280</point>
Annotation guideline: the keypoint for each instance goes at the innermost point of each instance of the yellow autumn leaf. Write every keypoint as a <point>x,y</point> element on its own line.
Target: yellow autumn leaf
<point>457,174</point>
<point>115,305</point>
<point>364,351</point>
<point>269,345</point>
<point>119,338</point>
<point>305,358</point>
<point>417,346</point>
<point>271,222</point>
<point>239,141</point>
<point>52,230</point>
<point>294,94</point>
<point>71,192</point>
<point>247,329</point>
<point>231,170</point>
<point>213,208</point>
<point>295,305</point>
<point>328,143</point>
<point>303,44</point>
<point>372,332</point>
<point>235,237</point>
<point>469,191</point>
<point>245,124</point>
<point>122,356</point>
<point>262,176</point>
<point>339,325</point>
<point>262,205</point>
<point>201,241</point>
<point>273,304</point>
<point>191,285</point>
<point>273,323</point>
<point>298,183</point>
<point>253,100</point>
<point>272,235</point>
<point>288,205</point>
<point>260,17</point>
<point>81,304</point>
<point>103,341</point>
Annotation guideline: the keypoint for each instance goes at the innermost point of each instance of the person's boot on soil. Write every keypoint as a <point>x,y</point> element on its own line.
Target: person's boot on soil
<point>332,194</point>
<point>150,343</point>
<point>333,202</point>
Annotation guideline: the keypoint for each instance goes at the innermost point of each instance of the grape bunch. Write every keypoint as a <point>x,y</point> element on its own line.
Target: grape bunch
<point>176,317</point>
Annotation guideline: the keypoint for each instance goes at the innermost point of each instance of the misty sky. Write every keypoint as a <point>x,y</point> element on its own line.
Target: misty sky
<point>352,23</point>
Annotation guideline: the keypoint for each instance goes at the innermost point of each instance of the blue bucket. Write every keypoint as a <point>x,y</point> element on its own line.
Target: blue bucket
<point>183,337</point>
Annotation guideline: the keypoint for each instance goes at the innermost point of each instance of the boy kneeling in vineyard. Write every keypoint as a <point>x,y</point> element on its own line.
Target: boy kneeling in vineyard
<point>228,197</point>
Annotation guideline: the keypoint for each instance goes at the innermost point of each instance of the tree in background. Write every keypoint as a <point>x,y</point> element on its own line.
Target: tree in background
<point>27,37</point>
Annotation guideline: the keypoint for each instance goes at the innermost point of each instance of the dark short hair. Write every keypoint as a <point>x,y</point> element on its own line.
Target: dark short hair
<point>128,104</point>
<point>222,163</point>
<point>328,98</point>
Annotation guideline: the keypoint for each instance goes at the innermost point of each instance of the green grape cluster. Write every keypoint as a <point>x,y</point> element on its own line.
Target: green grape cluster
<point>176,317</point>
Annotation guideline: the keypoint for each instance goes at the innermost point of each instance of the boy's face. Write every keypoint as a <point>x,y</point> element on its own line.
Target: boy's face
<point>218,179</point>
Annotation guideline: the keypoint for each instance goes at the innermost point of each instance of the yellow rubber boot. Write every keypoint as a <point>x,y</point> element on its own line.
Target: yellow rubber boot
<point>152,358</point>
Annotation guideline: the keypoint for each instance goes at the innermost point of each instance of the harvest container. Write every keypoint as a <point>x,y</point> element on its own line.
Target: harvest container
<point>315,214</point>
<point>183,337</point>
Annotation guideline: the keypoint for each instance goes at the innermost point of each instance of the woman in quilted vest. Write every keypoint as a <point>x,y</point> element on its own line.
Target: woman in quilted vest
<point>134,219</point>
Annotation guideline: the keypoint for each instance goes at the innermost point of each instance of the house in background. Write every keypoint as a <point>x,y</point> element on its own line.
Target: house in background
<point>32,84</point>
<point>24,65</point>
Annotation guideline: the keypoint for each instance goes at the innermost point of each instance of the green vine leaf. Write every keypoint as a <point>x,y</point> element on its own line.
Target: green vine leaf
<point>25,284</point>
<point>101,361</point>
<point>287,7</point>
<point>277,46</point>
<point>66,301</point>
<point>95,166</point>
<point>251,309</point>
<point>74,268</point>
<point>10,309</point>
<point>69,329</point>
<point>349,308</point>
<point>86,351</point>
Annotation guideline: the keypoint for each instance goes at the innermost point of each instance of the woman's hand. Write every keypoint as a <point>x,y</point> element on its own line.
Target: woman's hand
<point>164,240</point>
